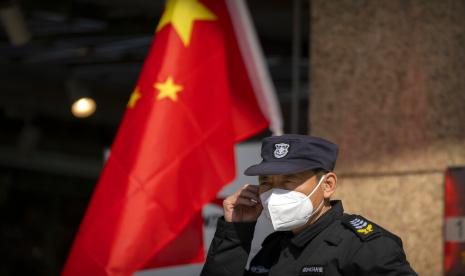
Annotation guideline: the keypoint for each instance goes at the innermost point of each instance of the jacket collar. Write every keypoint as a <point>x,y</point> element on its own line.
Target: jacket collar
<point>336,212</point>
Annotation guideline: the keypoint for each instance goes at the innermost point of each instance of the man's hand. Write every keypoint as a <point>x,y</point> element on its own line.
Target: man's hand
<point>244,205</point>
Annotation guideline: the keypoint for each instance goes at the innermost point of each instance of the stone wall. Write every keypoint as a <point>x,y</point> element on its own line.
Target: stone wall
<point>387,82</point>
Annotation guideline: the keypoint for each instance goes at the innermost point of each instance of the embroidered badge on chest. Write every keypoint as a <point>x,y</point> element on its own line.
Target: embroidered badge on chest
<point>259,269</point>
<point>281,150</point>
<point>312,270</point>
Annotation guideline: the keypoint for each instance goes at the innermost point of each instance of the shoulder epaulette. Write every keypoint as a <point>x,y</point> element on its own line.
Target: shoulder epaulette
<point>362,227</point>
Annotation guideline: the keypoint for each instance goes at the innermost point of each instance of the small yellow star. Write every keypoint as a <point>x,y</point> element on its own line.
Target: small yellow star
<point>182,14</point>
<point>134,98</point>
<point>168,89</point>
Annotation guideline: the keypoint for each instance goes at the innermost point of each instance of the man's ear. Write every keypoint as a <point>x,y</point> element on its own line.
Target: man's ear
<point>329,184</point>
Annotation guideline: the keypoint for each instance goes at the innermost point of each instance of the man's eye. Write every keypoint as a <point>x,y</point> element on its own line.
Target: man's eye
<point>292,184</point>
<point>263,188</point>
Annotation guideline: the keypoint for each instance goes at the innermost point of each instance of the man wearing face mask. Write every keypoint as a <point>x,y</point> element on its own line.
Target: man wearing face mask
<point>313,234</point>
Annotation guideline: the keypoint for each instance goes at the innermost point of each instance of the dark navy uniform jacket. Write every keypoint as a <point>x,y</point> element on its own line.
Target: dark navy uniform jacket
<point>336,244</point>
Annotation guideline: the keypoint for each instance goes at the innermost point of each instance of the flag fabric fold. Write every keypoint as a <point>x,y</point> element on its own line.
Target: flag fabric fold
<point>173,152</point>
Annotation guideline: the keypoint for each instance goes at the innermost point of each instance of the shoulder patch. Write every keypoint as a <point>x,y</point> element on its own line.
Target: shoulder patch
<point>363,228</point>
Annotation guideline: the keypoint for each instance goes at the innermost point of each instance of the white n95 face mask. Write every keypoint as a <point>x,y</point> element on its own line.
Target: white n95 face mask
<point>287,209</point>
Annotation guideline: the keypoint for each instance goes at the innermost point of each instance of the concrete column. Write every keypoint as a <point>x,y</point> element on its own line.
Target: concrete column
<point>387,84</point>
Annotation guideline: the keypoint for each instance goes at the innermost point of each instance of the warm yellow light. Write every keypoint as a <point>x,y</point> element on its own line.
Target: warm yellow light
<point>84,107</point>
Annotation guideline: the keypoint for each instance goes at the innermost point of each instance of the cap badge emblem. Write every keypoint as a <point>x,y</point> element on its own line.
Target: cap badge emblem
<point>281,150</point>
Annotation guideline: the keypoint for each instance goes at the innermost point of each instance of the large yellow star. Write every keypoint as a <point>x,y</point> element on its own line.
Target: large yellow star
<point>134,98</point>
<point>182,14</point>
<point>168,89</point>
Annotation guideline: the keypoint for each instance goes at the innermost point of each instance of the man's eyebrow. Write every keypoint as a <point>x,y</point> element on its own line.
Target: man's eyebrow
<point>297,176</point>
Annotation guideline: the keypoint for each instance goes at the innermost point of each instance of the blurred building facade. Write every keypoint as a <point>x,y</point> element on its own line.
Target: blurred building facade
<point>387,84</point>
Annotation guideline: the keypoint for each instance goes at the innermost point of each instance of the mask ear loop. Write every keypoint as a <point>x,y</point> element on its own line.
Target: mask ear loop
<point>318,208</point>
<point>318,185</point>
<point>321,203</point>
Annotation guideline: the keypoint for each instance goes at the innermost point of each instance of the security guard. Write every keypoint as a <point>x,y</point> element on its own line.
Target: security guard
<point>313,235</point>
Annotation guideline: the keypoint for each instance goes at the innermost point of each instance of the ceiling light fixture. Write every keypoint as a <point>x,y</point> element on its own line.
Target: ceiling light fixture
<point>82,104</point>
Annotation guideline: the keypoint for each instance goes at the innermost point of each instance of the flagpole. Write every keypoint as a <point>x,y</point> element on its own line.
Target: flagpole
<point>255,64</point>
<point>296,53</point>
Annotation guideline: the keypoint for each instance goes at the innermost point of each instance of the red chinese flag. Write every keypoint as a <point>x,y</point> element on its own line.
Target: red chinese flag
<point>174,148</point>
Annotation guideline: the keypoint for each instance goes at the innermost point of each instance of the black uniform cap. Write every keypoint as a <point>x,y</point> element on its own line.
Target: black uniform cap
<point>293,153</point>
